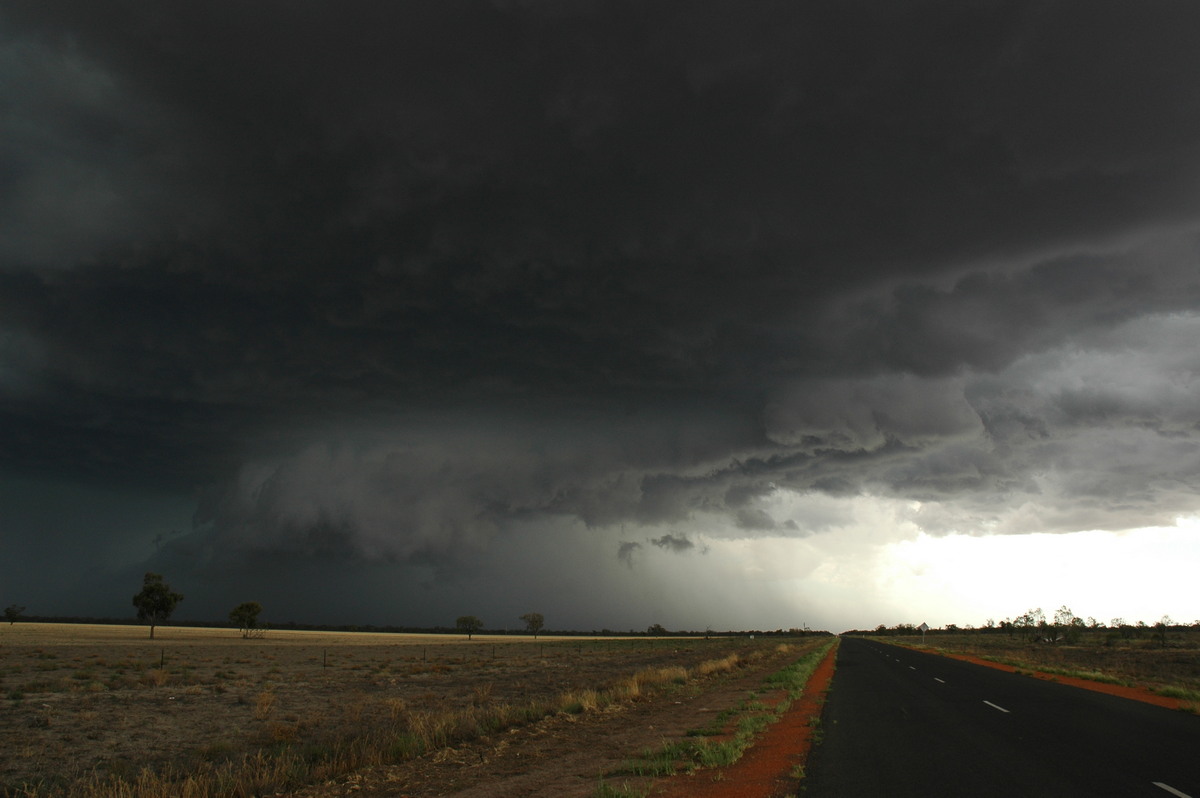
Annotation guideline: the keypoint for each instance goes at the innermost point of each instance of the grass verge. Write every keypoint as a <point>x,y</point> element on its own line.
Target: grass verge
<point>742,726</point>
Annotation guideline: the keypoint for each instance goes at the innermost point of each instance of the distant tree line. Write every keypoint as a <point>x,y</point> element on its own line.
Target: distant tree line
<point>1033,626</point>
<point>156,603</point>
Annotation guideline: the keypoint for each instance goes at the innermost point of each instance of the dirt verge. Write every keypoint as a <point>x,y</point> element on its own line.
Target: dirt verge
<point>773,766</point>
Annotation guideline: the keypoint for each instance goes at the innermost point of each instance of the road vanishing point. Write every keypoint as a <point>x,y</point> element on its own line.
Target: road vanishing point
<point>901,723</point>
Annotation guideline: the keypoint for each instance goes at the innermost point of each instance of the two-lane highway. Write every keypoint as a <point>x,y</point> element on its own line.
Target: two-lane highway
<point>902,723</point>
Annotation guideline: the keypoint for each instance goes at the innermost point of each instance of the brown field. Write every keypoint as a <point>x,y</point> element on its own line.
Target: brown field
<point>1102,655</point>
<point>90,708</point>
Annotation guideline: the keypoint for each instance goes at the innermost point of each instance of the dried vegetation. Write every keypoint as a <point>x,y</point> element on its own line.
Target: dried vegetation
<point>102,712</point>
<point>1169,667</point>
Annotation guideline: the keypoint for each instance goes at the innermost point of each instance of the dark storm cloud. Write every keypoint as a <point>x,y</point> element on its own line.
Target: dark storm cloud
<point>389,281</point>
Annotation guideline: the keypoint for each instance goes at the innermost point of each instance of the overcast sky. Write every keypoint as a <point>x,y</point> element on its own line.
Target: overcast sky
<point>731,315</point>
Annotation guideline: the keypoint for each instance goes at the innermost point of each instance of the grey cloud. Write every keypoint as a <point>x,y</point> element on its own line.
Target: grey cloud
<point>755,519</point>
<point>674,543</point>
<point>860,414</point>
<point>626,551</point>
<point>741,494</point>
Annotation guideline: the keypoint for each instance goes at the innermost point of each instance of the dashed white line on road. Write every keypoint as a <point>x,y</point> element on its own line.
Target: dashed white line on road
<point>994,706</point>
<point>1170,789</point>
<point>936,679</point>
<point>911,668</point>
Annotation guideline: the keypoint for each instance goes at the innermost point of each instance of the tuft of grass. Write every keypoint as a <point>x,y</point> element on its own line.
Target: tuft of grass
<point>1175,691</point>
<point>606,790</point>
<point>687,755</point>
<point>576,702</point>
<point>155,678</point>
<point>724,665</point>
<point>263,704</point>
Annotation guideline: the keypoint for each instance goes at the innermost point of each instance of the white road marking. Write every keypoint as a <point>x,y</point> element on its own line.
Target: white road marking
<point>994,706</point>
<point>911,668</point>
<point>1170,789</point>
<point>936,679</point>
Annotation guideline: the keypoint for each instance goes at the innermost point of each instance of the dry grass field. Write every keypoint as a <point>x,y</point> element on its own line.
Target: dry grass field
<point>1172,669</point>
<point>103,710</point>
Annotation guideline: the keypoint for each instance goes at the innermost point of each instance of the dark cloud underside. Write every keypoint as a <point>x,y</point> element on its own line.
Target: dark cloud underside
<point>394,280</point>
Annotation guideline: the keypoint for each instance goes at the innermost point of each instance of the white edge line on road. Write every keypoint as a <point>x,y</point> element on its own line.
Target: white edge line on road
<point>1170,789</point>
<point>994,706</point>
<point>936,679</point>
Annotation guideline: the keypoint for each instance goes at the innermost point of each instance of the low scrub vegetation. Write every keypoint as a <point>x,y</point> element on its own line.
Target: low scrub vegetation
<point>1165,663</point>
<point>102,716</point>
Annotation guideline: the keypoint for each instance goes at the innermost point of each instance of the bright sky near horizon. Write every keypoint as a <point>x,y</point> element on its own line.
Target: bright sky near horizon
<point>705,314</point>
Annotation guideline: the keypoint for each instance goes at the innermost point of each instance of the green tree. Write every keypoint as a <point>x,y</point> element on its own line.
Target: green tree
<point>534,621</point>
<point>245,616</point>
<point>12,613</point>
<point>1028,623</point>
<point>468,625</point>
<point>156,602</point>
<point>1160,630</point>
<point>1068,627</point>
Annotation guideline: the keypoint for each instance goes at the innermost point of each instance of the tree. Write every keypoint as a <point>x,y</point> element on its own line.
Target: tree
<point>1067,626</point>
<point>156,602</point>
<point>468,625</point>
<point>657,630</point>
<point>534,621</point>
<point>245,616</point>
<point>1028,622</point>
<point>12,613</point>
<point>1160,629</point>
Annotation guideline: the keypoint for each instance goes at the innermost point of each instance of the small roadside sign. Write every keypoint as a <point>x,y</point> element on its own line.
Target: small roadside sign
<point>924,627</point>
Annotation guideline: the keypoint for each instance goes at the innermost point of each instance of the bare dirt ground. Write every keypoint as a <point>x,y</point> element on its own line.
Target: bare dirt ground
<point>81,699</point>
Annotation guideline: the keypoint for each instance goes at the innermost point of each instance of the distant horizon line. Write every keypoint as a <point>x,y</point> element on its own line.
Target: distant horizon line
<point>431,630</point>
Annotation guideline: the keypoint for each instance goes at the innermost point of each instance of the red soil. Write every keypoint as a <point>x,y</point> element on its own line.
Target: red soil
<point>764,771</point>
<point>1135,693</point>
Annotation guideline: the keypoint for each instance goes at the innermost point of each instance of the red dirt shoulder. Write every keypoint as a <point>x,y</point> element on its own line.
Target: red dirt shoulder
<point>1134,693</point>
<point>765,770</point>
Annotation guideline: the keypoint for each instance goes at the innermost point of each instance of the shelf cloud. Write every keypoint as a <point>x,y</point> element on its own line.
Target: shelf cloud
<point>436,289</point>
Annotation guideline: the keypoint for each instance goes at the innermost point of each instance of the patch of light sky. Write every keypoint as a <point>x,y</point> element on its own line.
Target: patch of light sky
<point>869,562</point>
<point>1137,574</point>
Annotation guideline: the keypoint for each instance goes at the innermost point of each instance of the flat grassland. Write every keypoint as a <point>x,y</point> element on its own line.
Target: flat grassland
<point>203,711</point>
<point>1108,656</point>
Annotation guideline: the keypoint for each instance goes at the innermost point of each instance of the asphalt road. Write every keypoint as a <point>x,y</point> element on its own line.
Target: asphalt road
<point>899,723</point>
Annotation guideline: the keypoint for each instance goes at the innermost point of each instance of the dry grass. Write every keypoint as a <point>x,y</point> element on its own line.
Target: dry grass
<point>103,712</point>
<point>723,665</point>
<point>1099,655</point>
